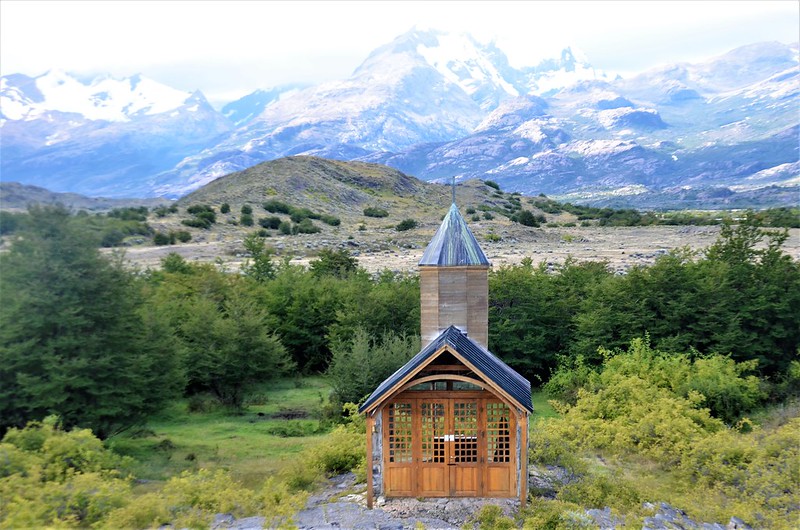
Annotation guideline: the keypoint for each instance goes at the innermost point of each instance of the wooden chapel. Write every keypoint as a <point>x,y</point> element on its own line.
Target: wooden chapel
<point>453,421</point>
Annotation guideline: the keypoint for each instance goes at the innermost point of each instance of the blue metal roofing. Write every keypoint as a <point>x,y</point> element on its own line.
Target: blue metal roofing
<point>453,244</point>
<point>490,367</point>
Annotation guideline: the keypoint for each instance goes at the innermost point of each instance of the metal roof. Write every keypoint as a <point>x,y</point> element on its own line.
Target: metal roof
<point>490,366</point>
<point>453,244</point>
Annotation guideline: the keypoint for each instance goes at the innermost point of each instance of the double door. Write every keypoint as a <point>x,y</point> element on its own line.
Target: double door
<point>449,447</point>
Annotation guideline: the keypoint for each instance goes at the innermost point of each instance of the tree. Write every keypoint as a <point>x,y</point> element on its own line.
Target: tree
<point>338,263</point>
<point>75,337</point>
<point>262,268</point>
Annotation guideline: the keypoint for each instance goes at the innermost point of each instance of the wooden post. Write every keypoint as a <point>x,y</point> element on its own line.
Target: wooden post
<point>370,426</point>
<point>523,490</point>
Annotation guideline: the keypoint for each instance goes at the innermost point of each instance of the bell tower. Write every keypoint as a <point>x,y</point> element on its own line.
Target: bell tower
<point>454,282</point>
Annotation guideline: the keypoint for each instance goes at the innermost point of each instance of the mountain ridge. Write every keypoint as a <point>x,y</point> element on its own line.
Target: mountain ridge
<point>440,105</point>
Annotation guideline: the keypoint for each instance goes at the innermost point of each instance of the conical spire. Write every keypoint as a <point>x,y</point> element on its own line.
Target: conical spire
<point>453,244</point>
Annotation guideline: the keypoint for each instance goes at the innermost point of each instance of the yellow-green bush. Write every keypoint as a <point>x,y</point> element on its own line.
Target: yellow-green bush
<point>545,514</point>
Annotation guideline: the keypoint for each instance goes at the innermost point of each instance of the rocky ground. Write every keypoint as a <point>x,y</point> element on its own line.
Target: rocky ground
<point>342,506</point>
<point>379,249</point>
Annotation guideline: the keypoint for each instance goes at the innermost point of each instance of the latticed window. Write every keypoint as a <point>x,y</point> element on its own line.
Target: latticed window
<point>400,432</point>
<point>498,435</point>
<point>465,429</point>
<point>433,431</point>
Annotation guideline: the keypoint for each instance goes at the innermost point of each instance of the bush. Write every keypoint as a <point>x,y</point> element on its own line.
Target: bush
<point>330,220</point>
<point>406,224</point>
<point>160,238</point>
<point>183,236</point>
<point>285,228</point>
<point>492,184</point>
<point>275,206</point>
<point>225,208</point>
<point>246,220</point>
<point>247,209</point>
<point>272,222</point>
<point>373,211</point>
<point>306,227</point>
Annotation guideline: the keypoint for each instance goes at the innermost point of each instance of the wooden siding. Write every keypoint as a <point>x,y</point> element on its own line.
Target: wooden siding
<point>457,296</point>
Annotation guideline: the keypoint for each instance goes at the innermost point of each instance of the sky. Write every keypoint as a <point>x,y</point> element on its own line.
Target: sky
<point>230,48</point>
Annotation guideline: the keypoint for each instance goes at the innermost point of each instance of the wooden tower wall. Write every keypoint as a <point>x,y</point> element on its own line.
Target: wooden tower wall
<point>456,296</point>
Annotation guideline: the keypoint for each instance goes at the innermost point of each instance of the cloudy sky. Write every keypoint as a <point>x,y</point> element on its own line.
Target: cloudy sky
<point>227,49</point>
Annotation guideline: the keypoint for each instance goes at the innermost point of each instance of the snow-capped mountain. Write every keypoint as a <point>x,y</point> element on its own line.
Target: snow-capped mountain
<point>603,138</point>
<point>102,137</point>
<point>433,105</point>
<point>423,87</point>
<point>103,98</point>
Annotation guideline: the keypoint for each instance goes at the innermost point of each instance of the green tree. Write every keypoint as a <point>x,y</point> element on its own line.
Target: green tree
<point>359,365</point>
<point>261,268</point>
<point>230,348</point>
<point>75,337</point>
<point>338,263</point>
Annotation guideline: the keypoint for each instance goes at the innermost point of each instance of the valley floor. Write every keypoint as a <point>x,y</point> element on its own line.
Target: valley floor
<point>376,250</point>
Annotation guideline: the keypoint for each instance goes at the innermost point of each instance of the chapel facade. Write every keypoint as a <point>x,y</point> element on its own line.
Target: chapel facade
<point>453,421</point>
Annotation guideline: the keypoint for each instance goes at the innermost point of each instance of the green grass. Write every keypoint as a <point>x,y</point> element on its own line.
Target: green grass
<point>241,442</point>
<point>541,407</point>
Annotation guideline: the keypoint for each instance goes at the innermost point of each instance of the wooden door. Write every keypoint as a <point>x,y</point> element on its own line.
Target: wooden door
<point>433,469</point>
<point>398,446</point>
<point>464,453</point>
<point>500,450</point>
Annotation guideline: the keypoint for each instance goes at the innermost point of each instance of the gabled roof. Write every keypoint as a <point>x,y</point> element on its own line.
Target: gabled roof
<point>453,244</point>
<point>487,366</point>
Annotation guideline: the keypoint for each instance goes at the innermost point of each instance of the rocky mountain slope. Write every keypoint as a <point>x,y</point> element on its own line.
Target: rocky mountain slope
<point>435,105</point>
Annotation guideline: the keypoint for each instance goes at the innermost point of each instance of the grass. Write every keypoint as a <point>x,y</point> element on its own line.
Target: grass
<point>239,441</point>
<point>541,407</point>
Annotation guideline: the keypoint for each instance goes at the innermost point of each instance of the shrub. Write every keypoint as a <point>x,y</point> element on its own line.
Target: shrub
<point>306,227</point>
<point>225,208</point>
<point>247,209</point>
<point>285,228</point>
<point>374,211</point>
<point>406,224</point>
<point>246,220</point>
<point>183,236</point>
<point>197,209</point>
<point>492,184</point>
<point>275,206</point>
<point>470,210</point>
<point>272,222</point>
<point>490,517</point>
<point>330,220</point>
<point>160,238</point>
<point>488,216</point>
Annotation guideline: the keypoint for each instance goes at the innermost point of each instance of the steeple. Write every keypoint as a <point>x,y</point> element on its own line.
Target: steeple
<point>454,284</point>
<point>453,244</point>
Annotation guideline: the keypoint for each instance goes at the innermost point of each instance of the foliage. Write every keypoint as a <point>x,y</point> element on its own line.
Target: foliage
<point>10,222</point>
<point>374,211</point>
<point>75,336</point>
<point>337,263</point>
<point>528,218</point>
<point>262,268</point>
<point>246,219</point>
<point>203,216</point>
<point>50,477</point>
<point>227,336</point>
<point>224,208</point>
<point>491,517</point>
<point>359,366</point>
<point>492,184</point>
<point>406,224</point>
<point>246,209</point>
<point>272,222</point>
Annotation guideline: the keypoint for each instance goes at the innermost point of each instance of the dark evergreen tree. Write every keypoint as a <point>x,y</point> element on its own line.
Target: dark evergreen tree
<point>75,337</point>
